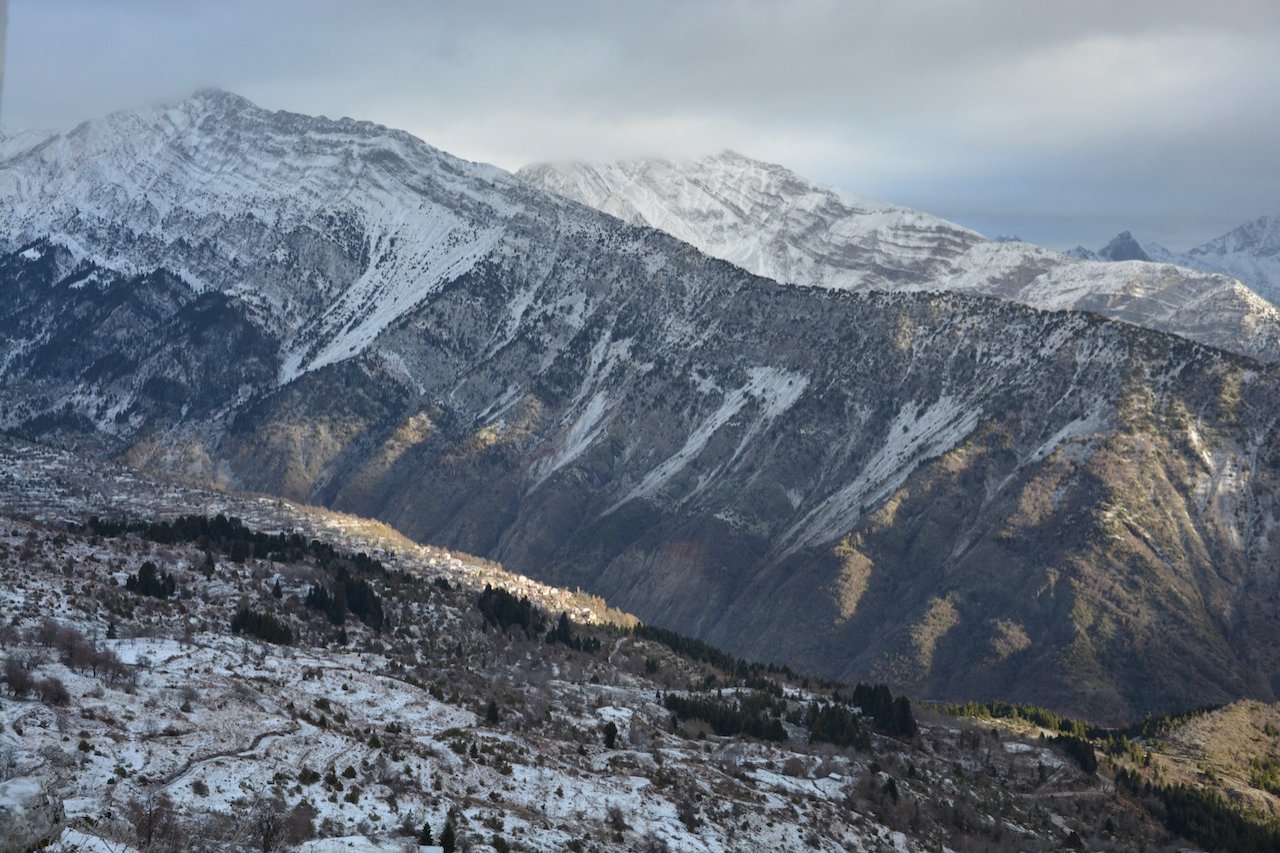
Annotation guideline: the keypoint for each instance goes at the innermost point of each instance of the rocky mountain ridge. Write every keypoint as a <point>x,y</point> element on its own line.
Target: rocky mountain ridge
<point>766,219</point>
<point>783,226</point>
<point>1250,253</point>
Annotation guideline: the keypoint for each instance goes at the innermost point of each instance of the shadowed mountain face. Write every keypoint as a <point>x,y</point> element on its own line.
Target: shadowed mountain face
<point>1123,247</point>
<point>963,497</point>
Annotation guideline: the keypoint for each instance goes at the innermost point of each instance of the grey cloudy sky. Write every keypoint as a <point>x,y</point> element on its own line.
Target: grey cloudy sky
<point>1061,122</point>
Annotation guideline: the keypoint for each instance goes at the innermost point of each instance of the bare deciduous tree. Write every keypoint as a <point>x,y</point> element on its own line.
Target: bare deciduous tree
<point>267,822</point>
<point>17,676</point>
<point>153,819</point>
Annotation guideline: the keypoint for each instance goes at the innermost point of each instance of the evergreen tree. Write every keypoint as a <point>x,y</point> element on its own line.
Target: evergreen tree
<point>502,610</point>
<point>264,626</point>
<point>425,838</point>
<point>150,581</point>
<point>491,713</point>
<point>448,837</point>
<point>610,734</point>
<point>901,721</point>
<point>563,633</point>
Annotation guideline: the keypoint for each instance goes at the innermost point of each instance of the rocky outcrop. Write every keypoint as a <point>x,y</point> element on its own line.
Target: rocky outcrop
<point>30,815</point>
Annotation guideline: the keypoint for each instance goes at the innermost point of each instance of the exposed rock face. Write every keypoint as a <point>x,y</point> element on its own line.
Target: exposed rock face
<point>1123,247</point>
<point>776,223</point>
<point>965,497</point>
<point>30,816</point>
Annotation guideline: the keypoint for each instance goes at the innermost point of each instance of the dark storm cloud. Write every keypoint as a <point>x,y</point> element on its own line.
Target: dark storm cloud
<point>1062,122</point>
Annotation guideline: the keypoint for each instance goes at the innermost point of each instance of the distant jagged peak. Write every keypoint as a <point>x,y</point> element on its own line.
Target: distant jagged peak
<point>1123,247</point>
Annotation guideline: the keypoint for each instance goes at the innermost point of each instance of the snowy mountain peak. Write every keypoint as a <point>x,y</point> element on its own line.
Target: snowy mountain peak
<point>1250,253</point>
<point>1260,238</point>
<point>213,97</point>
<point>333,227</point>
<point>765,218</point>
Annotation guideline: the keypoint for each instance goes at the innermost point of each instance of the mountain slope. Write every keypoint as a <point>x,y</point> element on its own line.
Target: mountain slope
<point>1250,253</point>
<point>965,497</point>
<point>775,223</point>
<point>452,712</point>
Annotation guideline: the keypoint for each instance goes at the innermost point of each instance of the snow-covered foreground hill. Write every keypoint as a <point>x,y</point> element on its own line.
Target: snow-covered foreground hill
<point>777,224</point>
<point>173,733</point>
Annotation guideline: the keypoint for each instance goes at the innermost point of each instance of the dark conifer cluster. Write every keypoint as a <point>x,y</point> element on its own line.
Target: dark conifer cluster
<point>891,714</point>
<point>150,580</point>
<point>563,633</point>
<point>219,533</point>
<point>752,714</point>
<point>350,594</point>
<point>502,610</point>
<point>832,722</point>
<point>1202,815</point>
<point>264,626</point>
<point>742,672</point>
<point>1034,714</point>
<point>230,536</point>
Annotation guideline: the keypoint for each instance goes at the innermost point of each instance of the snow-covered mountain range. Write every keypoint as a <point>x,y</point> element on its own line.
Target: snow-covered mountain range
<point>780,225</point>
<point>1250,253</point>
<point>768,220</point>
<point>948,493</point>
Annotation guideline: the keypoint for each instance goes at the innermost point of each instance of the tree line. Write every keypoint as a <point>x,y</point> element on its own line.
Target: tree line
<point>1202,815</point>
